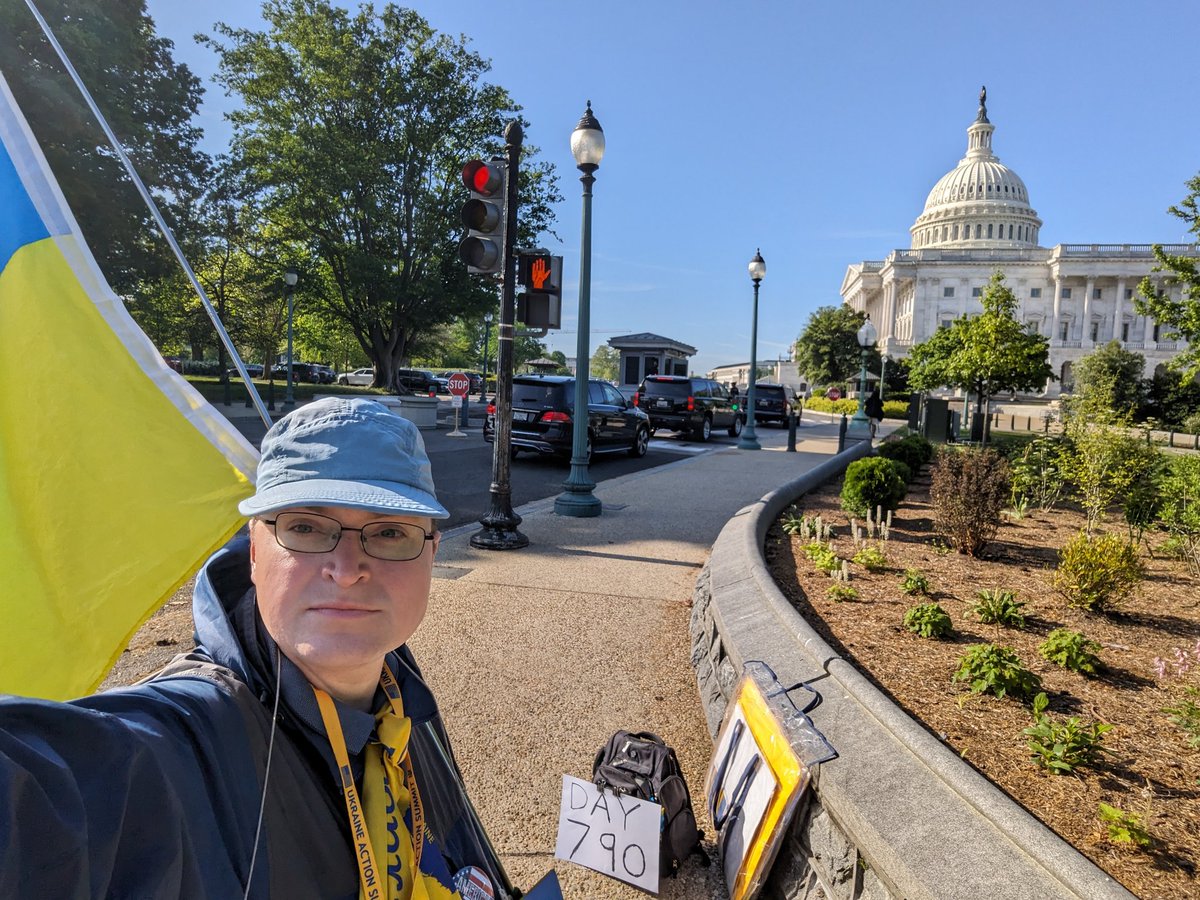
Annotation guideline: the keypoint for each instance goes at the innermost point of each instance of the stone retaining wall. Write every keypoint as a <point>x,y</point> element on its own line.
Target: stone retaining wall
<point>898,813</point>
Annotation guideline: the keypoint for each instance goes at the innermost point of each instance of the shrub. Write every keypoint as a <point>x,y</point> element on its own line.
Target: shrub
<point>1180,510</point>
<point>1063,747</point>
<point>1097,573</point>
<point>1123,827</point>
<point>968,490</point>
<point>870,483</point>
<point>1037,475</point>
<point>823,557</point>
<point>999,608</point>
<point>895,409</point>
<point>841,593</point>
<point>914,583</point>
<point>1071,650</point>
<point>996,670</point>
<point>870,558</point>
<point>928,620</point>
<point>821,404</point>
<point>1186,716</point>
<point>1102,462</point>
<point>914,451</point>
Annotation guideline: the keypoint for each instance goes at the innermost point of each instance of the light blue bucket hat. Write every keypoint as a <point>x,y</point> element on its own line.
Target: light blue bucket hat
<point>344,451</point>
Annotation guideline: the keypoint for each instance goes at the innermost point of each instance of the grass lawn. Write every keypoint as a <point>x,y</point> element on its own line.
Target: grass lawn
<point>214,391</point>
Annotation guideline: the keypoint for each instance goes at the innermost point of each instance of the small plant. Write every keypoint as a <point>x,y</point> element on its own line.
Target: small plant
<point>991,669</point>
<point>1186,715</point>
<point>1096,573</point>
<point>823,557</point>
<point>1037,477</point>
<point>841,593</point>
<point>1071,650</point>
<point>871,558</point>
<point>792,522</point>
<point>914,583</point>
<point>870,483</point>
<point>968,489</point>
<point>1061,747</point>
<point>928,620</point>
<point>1124,828</point>
<point>999,608</point>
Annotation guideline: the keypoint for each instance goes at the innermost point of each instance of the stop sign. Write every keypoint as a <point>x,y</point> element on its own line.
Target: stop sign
<point>459,384</point>
<point>833,394</point>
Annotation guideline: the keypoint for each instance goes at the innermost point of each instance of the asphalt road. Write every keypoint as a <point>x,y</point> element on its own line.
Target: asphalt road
<point>462,467</point>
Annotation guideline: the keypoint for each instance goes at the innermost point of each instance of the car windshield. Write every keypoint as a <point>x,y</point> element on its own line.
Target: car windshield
<point>668,388</point>
<point>536,394</point>
<point>769,390</point>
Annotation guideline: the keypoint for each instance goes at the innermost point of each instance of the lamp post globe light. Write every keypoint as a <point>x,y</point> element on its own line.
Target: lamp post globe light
<point>577,499</point>
<point>749,440</point>
<point>290,277</point>
<point>859,428</point>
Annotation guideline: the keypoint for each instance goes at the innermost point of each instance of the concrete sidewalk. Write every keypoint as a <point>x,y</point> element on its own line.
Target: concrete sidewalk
<point>538,655</point>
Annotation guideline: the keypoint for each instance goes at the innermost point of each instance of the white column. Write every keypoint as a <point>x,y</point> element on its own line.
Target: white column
<point>1085,325</point>
<point>1053,335</point>
<point>1118,309</point>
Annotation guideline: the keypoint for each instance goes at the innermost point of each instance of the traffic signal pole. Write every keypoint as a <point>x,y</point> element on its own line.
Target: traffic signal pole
<point>499,531</point>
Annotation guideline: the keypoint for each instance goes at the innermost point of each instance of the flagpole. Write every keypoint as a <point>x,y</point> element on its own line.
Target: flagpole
<point>162,225</point>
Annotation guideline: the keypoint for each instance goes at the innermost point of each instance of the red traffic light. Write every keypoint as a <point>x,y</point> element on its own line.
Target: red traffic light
<point>482,178</point>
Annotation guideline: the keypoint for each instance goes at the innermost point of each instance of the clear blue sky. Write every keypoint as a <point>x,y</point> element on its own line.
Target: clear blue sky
<point>811,130</point>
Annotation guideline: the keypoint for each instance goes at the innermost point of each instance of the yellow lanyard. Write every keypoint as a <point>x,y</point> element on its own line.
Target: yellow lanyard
<point>370,876</point>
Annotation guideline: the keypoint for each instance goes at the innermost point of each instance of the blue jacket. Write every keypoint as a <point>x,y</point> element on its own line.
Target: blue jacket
<point>153,791</point>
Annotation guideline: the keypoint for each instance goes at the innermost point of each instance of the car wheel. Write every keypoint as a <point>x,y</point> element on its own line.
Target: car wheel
<point>641,442</point>
<point>653,430</point>
<point>343,380</point>
<point>704,432</point>
<point>736,428</point>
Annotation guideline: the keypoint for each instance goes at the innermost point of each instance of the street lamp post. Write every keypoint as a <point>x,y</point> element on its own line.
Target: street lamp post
<point>577,499</point>
<point>290,277</point>
<point>487,332</point>
<point>859,428</point>
<point>883,361</point>
<point>749,440</point>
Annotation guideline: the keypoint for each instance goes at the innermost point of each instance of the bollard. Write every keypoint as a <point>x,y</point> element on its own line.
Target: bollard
<point>792,432</point>
<point>466,410</point>
<point>842,434</point>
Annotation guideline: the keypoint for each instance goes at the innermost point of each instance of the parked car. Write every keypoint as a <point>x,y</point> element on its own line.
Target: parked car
<point>692,405</point>
<point>325,374</point>
<point>306,372</point>
<point>359,377</point>
<point>774,402</point>
<point>543,418</point>
<point>416,381</point>
<point>254,370</point>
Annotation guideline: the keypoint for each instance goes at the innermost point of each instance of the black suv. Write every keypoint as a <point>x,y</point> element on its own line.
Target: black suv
<point>774,402</point>
<point>416,381</point>
<point>696,405</point>
<point>543,408</point>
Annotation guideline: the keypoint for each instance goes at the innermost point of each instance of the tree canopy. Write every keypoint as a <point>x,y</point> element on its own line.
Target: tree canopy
<point>827,350</point>
<point>1182,315</point>
<point>1111,375</point>
<point>149,100</point>
<point>352,133</point>
<point>987,354</point>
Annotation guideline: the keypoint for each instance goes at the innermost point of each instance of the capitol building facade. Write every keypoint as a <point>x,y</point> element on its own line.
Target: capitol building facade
<point>978,219</point>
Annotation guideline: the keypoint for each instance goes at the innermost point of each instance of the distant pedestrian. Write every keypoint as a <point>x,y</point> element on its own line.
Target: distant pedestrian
<point>733,389</point>
<point>874,410</point>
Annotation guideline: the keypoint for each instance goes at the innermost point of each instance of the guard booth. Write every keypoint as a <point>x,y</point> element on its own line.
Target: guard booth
<point>649,354</point>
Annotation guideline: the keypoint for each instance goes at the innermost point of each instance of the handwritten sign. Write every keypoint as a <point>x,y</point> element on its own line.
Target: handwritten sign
<point>613,834</point>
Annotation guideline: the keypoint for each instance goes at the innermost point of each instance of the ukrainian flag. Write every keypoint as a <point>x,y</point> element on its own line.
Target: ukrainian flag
<point>117,479</point>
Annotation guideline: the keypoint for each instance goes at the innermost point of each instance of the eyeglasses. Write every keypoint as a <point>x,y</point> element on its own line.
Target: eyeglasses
<point>303,532</point>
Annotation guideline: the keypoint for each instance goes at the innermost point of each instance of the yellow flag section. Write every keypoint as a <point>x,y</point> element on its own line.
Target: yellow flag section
<point>117,479</point>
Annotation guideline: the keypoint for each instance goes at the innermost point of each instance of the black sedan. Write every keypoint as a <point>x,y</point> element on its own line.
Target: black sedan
<point>543,418</point>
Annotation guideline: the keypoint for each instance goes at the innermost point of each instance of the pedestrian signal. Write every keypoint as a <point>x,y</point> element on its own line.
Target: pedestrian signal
<point>485,216</point>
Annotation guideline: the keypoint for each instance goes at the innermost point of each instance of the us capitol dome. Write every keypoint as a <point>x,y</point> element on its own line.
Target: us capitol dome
<point>979,203</point>
<point>977,220</point>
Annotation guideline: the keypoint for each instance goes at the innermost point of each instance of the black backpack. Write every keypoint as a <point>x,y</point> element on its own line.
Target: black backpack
<point>641,765</point>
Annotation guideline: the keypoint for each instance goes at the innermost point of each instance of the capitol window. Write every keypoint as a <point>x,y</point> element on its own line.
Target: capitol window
<point>1035,293</point>
<point>1010,232</point>
<point>1096,293</point>
<point>1063,330</point>
<point>989,229</point>
<point>1066,294</point>
<point>976,292</point>
<point>948,292</point>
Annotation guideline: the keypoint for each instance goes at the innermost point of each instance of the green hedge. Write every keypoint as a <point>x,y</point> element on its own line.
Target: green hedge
<point>892,409</point>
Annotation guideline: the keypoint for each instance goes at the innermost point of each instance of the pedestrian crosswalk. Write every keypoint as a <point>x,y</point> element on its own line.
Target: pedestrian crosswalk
<point>684,448</point>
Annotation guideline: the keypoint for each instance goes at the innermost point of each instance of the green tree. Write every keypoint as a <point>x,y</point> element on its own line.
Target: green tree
<point>984,355</point>
<point>604,363</point>
<point>149,100</point>
<point>1182,316</point>
<point>352,134</point>
<point>827,350</point>
<point>1114,375</point>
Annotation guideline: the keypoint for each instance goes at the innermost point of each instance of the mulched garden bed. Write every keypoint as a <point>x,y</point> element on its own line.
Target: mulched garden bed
<point>1150,771</point>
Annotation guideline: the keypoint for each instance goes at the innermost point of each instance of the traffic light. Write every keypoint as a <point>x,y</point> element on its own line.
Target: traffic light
<point>485,216</point>
<point>541,275</point>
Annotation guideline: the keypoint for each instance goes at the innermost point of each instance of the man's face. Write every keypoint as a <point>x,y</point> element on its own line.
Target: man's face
<point>336,614</point>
